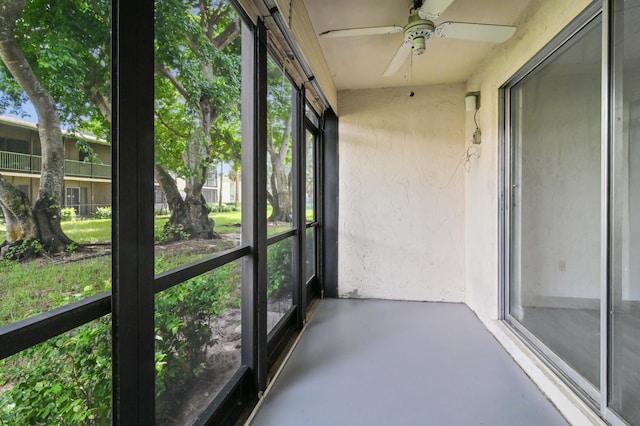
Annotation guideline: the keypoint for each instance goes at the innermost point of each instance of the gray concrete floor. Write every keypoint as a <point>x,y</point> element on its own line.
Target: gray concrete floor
<point>372,362</point>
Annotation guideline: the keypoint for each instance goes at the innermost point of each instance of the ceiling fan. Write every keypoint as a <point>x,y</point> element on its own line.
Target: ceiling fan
<point>421,28</point>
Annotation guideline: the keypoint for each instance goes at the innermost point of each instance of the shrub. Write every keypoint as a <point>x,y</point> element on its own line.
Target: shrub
<point>23,249</point>
<point>103,213</point>
<point>183,319</point>
<point>170,233</point>
<point>221,208</point>
<point>67,214</point>
<point>65,380</point>
<point>279,269</point>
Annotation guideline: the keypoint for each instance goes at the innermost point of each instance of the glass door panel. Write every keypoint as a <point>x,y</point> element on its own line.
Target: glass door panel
<point>556,203</point>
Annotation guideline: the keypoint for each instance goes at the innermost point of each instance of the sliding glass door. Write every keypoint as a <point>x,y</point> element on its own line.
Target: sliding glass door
<point>556,196</point>
<point>624,387</point>
<point>572,206</point>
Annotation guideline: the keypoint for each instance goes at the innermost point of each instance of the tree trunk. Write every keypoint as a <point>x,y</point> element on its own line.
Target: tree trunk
<point>189,216</point>
<point>46,211</point>
<point>279,179</point>
<point>18,216</point>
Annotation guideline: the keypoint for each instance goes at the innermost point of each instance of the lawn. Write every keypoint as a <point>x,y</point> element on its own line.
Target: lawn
<point>34,287</point>
<point>91,231</point>
<point>30,288</point>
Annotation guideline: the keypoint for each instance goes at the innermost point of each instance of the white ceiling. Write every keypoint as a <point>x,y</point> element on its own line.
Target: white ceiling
<point>359,62</point>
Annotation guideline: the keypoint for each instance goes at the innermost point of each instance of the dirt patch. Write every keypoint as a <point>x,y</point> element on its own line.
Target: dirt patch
<point>223,361</point>
<point>175,248</point>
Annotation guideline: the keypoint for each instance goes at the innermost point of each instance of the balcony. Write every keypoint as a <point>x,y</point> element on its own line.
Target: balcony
<point>377,362</point>
<point>26,163</point>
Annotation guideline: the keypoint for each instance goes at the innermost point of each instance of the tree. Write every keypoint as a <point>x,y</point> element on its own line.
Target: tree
<point>42,222</point>
<point>197,87</point>
<point>279,97</point>
<point>198,74</point>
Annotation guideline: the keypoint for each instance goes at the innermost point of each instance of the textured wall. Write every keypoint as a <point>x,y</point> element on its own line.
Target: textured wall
<point>537,26</point>
<point>401,231</point>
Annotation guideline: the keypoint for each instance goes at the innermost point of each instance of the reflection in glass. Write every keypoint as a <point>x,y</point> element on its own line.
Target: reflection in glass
<point>198,341</point>
<point>556,221</point>
<point>65,380</point>
<point>310,178</point>
<point>197,138</point>
<point>279,281</point>
<point>625,296</point>
<point>279,147</point>
<point>310,253</point>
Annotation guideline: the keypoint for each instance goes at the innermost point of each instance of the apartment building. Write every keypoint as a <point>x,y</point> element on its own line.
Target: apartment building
<point>87,173</point>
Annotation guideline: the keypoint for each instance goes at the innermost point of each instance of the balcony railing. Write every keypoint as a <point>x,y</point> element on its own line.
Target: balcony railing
<point>15,162</point>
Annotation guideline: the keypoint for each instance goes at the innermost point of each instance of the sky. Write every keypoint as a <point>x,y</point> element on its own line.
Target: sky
<point>28,108</point>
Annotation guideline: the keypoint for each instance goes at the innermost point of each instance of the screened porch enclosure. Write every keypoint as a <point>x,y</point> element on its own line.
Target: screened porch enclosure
<point>372,246</point>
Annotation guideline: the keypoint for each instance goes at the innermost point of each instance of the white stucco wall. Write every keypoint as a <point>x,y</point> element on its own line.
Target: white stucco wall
<point>401,217</point>
<point>538,25</point>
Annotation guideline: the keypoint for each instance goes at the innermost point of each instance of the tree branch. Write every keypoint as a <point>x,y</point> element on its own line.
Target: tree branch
<point>227,36</point>
<point>97,99</point>
<point>179,87</point>
<point>168,127</point>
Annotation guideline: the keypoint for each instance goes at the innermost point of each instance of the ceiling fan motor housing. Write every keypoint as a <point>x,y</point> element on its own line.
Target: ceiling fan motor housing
<point>417,32</point>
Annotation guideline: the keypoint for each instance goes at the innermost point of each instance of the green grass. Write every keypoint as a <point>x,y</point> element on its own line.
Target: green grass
<point>99,230</point>
<point>227,223</point>
<point>31,288</point>
<point>88,231</point>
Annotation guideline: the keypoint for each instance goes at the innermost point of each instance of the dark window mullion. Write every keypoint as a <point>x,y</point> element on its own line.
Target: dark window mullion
<point>179,275</point>
<point>133,251</point>
<point>328,167</point>
<point>299,210</point>
<point>254,206</point>
<point>273,239</point>
<point>38,328</point>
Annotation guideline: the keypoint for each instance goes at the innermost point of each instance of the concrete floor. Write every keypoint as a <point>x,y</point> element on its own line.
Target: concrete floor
<point>372,362</point>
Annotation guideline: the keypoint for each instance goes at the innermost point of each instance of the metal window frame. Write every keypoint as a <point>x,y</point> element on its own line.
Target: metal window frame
<point>329,204</point>
<point>312,283</point>
<point>299,212</point>
<point>611,96</point>
<point>31,331</point>
<point>133,197</point>
<point>254,208</point>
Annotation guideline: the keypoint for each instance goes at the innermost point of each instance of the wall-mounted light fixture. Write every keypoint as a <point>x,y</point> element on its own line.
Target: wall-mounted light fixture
<point>472,101</point>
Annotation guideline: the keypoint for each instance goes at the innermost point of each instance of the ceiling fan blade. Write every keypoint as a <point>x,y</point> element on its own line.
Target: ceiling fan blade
<point>350,32</point>
<point>398,60</point>
<point>431,9</point>
<point>476,32</point>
